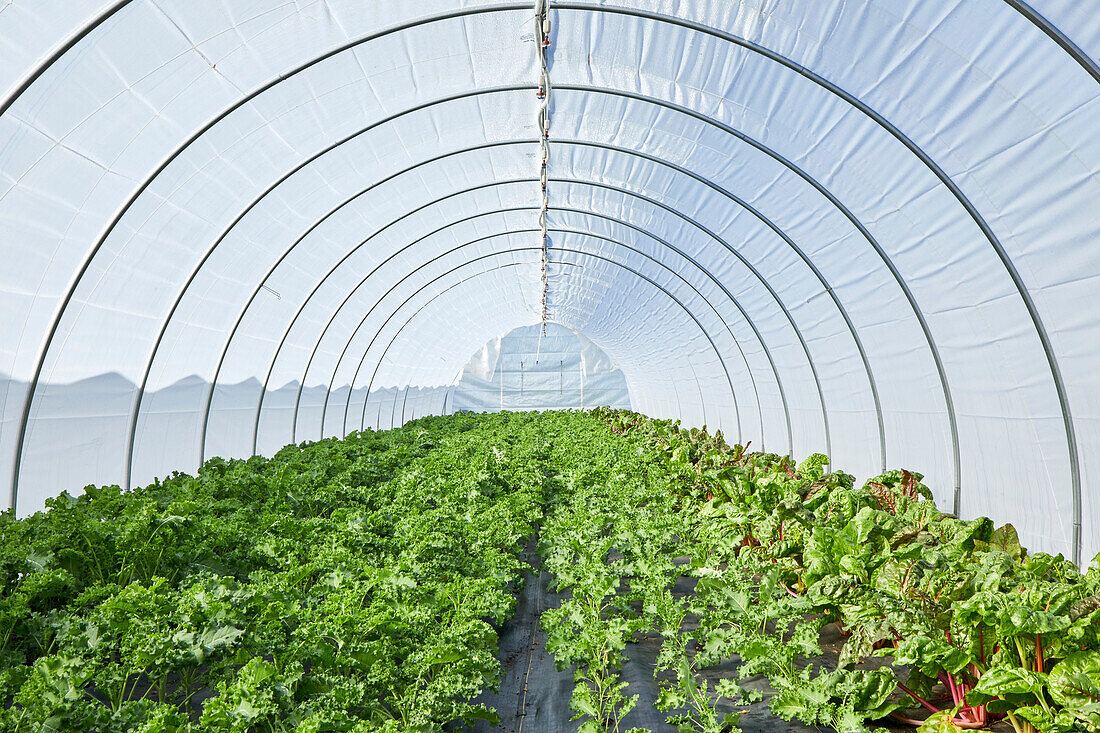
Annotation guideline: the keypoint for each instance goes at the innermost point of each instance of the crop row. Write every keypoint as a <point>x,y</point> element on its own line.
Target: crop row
<point>346,585</point>
<point>358,585</point>
<point>948,617</point>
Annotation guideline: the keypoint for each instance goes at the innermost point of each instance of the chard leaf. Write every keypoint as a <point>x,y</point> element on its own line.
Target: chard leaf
<point>1037,715</point>
<point>1001,681</point>
<point>1027,620</point>
<point>1075,685</point>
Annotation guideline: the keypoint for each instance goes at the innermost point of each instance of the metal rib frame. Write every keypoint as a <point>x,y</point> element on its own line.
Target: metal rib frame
<point>694,176</point>
<point>608,260</point>
<point>664,243</point>
<point>741,136</point>
<point>651,158</point>
<point>143,384</point>
<point>498,144</point>
<point>1065,42</point>
<point>1032,15</point>
<point>956,191</point>
<point>1036,19</point>
<point>164,165</point>
<point>425,237</point>
<point>720,190</point>
<point>317,223</point>
<point>734,198</point>
<point>70,291</point>
<point>615,242</point>
<point>826,286</point>
<point>365,242</point>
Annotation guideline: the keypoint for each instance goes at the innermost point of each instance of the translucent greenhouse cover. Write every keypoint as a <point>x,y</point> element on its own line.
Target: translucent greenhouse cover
<point>869,228</point>
<point>538,368</point>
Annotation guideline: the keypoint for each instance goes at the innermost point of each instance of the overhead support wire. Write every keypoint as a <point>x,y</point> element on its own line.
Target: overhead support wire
<point>542,38</point>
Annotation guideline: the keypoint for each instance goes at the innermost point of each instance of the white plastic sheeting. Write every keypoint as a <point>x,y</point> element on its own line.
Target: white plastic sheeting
<point>862,226</point>
<point>537,368</point>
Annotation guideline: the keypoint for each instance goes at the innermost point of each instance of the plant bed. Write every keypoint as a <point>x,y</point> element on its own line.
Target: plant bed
<point>371,584</point>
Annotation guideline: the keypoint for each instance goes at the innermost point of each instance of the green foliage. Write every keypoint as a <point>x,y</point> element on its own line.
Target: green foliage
<point>358,585</point>
<point>340,585</point>
<point>958,609</point>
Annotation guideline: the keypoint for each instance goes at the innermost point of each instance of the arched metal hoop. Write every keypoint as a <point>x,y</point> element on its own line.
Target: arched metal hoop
<point>608,260</point>
<point>956,191</point>
<point>652,159</point>
<point>655,160</point>
<point>771,225</point>
<point>625,151</point>
<point>695,223</point>
<point>744,204</point>
<point>1056,35</point>
<point>426,237</point>
<point>508,251</point>
<point>1020,6</point>
<point>614,242</point>
<point>365,242</point>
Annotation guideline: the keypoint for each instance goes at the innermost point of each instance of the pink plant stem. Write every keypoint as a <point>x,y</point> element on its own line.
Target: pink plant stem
<point>918,698</point>
<point>968,724</point>
<point>949,683</point>
<point>980,710</point>
<point>907,721</point>
<point>911,721</point>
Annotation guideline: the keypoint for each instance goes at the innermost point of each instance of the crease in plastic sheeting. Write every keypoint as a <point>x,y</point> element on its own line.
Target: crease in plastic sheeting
<point>194,46</point>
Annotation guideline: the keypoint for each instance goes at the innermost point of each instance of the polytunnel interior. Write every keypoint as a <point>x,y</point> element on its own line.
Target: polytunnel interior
<point>864,228</point>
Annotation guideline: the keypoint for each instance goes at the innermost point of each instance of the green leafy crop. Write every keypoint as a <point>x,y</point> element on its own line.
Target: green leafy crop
<point>360,584</point>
